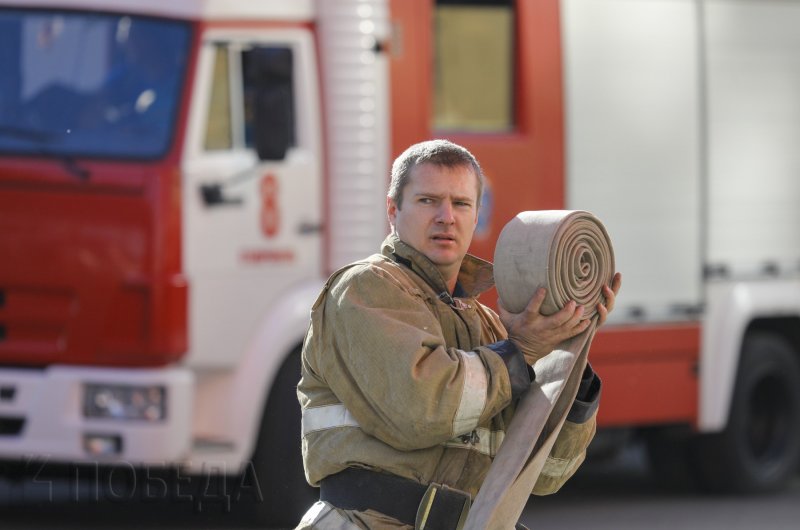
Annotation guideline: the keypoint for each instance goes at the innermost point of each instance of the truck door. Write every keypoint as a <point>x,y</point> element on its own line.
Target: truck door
<point>251,195</point>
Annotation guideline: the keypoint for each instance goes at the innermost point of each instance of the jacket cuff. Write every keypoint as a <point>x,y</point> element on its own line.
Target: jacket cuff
<point>519,373</point>
<point>588,398</point>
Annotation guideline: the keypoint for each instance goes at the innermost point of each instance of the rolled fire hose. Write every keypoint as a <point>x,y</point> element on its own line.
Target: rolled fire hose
<point>569,253</point>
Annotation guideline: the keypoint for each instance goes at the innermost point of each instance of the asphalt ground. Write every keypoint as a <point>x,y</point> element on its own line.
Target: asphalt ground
<point>619,494</point>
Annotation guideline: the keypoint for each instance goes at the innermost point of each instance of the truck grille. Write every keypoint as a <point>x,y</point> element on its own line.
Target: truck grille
<point>33,324</point>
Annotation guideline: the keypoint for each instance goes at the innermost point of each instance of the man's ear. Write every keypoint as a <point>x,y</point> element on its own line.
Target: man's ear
<point>391,211</point>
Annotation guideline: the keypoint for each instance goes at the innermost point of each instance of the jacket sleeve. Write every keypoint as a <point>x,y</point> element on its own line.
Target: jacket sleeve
<point>569,449</point>
<point>380,349</point>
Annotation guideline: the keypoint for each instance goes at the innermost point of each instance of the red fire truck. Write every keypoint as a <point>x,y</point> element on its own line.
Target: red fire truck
<point>177,179</point>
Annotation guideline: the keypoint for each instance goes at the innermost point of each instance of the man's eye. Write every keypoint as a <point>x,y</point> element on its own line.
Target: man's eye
<point>463,204</point>
<point>426,200</point>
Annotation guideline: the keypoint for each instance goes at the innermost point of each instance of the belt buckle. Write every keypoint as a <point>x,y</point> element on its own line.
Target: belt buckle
<point>442,508</point>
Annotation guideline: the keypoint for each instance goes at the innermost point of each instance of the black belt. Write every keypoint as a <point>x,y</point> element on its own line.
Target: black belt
<point>432,507</point>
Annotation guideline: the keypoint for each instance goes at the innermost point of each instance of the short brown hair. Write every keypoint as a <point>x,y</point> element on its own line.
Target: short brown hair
<point>438,152</point>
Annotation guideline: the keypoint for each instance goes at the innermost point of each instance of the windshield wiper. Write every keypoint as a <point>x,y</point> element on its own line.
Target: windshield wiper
<point>74,169</point>
<point>32,135</point>
<point>43,138</point>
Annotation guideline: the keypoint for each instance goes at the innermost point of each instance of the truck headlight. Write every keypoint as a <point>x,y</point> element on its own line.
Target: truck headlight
<point>125,402</point>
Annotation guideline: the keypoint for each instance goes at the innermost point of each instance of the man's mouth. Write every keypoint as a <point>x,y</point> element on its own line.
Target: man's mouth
<point>443,237</point>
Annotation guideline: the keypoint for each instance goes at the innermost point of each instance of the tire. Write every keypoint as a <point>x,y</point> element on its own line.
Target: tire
<point>277,461</point>
<point>759,449</point>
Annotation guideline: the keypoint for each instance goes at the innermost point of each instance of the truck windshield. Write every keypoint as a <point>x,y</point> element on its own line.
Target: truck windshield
<point>75,84</point>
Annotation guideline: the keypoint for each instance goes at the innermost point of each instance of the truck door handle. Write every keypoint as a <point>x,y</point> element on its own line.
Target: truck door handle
<point>214,195</point>
<point>306,228</point>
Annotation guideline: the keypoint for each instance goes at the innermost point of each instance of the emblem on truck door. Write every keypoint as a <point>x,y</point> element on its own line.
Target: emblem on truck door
<point>270,212</point>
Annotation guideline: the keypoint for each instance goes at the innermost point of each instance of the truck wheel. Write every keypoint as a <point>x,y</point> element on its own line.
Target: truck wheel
<point>277,461</point>
<point>760,447</point>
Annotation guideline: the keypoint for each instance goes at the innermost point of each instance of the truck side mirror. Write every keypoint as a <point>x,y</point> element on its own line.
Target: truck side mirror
<point>271,71</point>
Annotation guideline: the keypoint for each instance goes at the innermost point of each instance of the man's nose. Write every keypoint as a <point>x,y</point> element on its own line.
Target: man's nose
<point>445,213</point>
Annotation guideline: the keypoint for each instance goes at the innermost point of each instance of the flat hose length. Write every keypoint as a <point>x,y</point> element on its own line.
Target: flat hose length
<point>570,254</point>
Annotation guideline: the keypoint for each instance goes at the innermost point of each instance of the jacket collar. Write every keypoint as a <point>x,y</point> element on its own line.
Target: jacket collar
<point>474,277</point>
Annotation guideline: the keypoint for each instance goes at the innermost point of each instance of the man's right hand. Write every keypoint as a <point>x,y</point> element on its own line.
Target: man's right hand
<point>535,334</point>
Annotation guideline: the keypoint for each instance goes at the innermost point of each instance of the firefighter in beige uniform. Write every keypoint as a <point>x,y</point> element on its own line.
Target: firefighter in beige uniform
<point>408,382</point>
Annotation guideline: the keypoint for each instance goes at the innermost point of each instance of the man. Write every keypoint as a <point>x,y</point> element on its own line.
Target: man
<point>408,383</point>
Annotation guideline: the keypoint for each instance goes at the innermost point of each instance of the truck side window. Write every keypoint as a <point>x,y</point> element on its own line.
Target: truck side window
<point>268,81</point>
<point>473,65</point>
<point>218,126</point>
<point>252,97</point>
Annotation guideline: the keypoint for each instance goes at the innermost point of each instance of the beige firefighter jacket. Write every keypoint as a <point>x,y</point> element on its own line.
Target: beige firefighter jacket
<point>399,377</point>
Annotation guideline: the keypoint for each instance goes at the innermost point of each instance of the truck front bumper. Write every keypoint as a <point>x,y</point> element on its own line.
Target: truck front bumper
<point>44,416</point>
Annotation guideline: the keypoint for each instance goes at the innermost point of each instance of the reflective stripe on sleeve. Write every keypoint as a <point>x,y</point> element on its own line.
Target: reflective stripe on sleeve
<point>326,417</point>
<point>473,394</point>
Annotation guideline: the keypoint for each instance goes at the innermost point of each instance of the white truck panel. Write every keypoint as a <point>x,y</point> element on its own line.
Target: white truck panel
<point>754,133</point>
<point>633,135</point>
<point>731,307</point>
<point>229,403</point>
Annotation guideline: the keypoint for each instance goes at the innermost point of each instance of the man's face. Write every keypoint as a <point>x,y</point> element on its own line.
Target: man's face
<point>438,214</point>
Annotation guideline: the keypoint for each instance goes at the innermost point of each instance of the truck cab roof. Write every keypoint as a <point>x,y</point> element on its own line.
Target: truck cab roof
<point>207,10</point>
